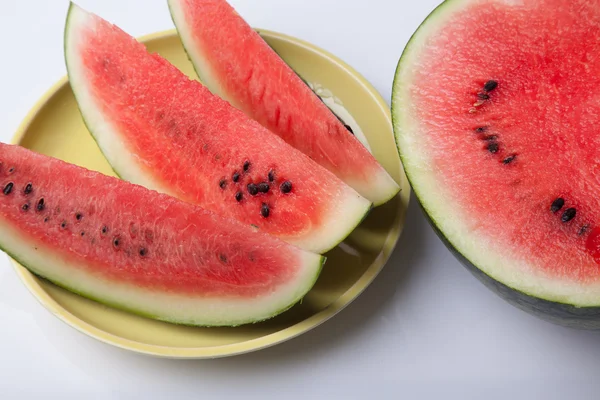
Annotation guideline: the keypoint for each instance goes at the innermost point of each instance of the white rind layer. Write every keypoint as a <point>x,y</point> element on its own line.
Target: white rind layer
<point>340,220</point>
<point>124,162</point>
<point>165,306</point>
<point>484,254</point>
<point>336,225</point>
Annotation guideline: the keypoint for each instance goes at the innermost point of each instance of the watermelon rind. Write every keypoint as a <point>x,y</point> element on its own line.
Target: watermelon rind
<point>563,303</point>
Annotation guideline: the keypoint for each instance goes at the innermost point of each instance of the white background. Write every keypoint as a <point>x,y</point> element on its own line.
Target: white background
<point>425,329</point>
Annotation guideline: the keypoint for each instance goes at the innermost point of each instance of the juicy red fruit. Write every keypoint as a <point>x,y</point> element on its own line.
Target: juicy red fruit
<point>507,153</point>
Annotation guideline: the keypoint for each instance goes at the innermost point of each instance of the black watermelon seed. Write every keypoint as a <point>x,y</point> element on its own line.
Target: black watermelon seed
<point>82,234</point>
<point>104,230</point>
<point>78,216</point>
<point>11,170</point>
<point>246,166</point>
<point>493,147</point>
<point>143,252</point>
<point>286,187</point>
<point>349,128</point>
<point>28,188</point>
<point>117,241</point>
<point>235,177</point>
<point>490,85</point>
<point>568,215</point>
<point>509,159</point>
<point>8,188</point>
<point>252,189</point>
<point>222,183</point>
<point>263,187</point>
<point>63,225</point>
<point>483,96</point>
<point>481,129</point>
<point>223,257</point>
<point>264,210</point>
<point>557,204</point>
<point>40,205</point>
<point>239,196</point>
<point>46,219</point>
<point>271,175</point>
<point>25,207</point>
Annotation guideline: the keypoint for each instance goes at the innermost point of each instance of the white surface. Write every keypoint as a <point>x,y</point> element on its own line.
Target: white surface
<point>425,329</point>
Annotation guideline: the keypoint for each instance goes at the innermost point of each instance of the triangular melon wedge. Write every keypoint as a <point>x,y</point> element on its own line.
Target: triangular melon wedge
<point>141,251</point>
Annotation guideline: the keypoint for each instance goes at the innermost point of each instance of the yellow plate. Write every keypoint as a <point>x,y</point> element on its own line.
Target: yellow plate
<point>54,127</point>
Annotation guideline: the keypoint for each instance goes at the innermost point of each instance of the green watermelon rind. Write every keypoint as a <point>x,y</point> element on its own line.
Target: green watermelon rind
<point>544,307</point>
<point>134,311</point>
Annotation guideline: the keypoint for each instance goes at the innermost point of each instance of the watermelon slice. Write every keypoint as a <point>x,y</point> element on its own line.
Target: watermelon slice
<point>238,65</point>
<point>496,118</point>
<point>142,251</point>
<point>162,130</point>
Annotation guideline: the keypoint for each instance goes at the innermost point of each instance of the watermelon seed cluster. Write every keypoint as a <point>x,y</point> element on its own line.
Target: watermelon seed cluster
<point>568,214</point>
<point>484,95</point>
<point>40,206</point>
<point>492,145</point>
<point>254,189</point>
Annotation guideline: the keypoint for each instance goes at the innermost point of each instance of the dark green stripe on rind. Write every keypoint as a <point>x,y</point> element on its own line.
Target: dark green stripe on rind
<point>555,312</point>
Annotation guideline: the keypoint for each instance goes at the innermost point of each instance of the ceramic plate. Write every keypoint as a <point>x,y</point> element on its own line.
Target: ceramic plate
<point>54,127</point>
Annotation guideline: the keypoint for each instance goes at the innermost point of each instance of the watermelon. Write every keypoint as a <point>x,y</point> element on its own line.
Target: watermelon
<point>496,120</point>
<point>238,65</point>
<point>160,129</point>
<point>142,251</point>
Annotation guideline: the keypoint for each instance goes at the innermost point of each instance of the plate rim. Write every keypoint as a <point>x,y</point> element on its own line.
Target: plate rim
<point>33,285</point>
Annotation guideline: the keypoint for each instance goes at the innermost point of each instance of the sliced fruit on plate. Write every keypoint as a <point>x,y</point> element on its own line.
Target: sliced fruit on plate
<point>138,250</point>
<point>238,65</point>
<point>162,130</point>
<point>497,123</point>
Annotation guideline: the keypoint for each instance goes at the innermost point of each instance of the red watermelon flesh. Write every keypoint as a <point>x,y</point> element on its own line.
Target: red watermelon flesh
<point>237,64</point>
<point>160,129</point>
<point>497,119</point>
<point>139,250</point>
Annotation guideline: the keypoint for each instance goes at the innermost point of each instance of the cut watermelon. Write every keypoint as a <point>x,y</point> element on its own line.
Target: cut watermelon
<point>238,65</point>
<point>496,118</point>
<point>142,251</point>
<point>162,130</point>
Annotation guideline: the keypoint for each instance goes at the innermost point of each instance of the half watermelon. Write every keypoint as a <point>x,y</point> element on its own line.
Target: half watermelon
<point>238,65</point>
<point>497,122</point>
<point>142,251</point>
<point>162,130</point>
